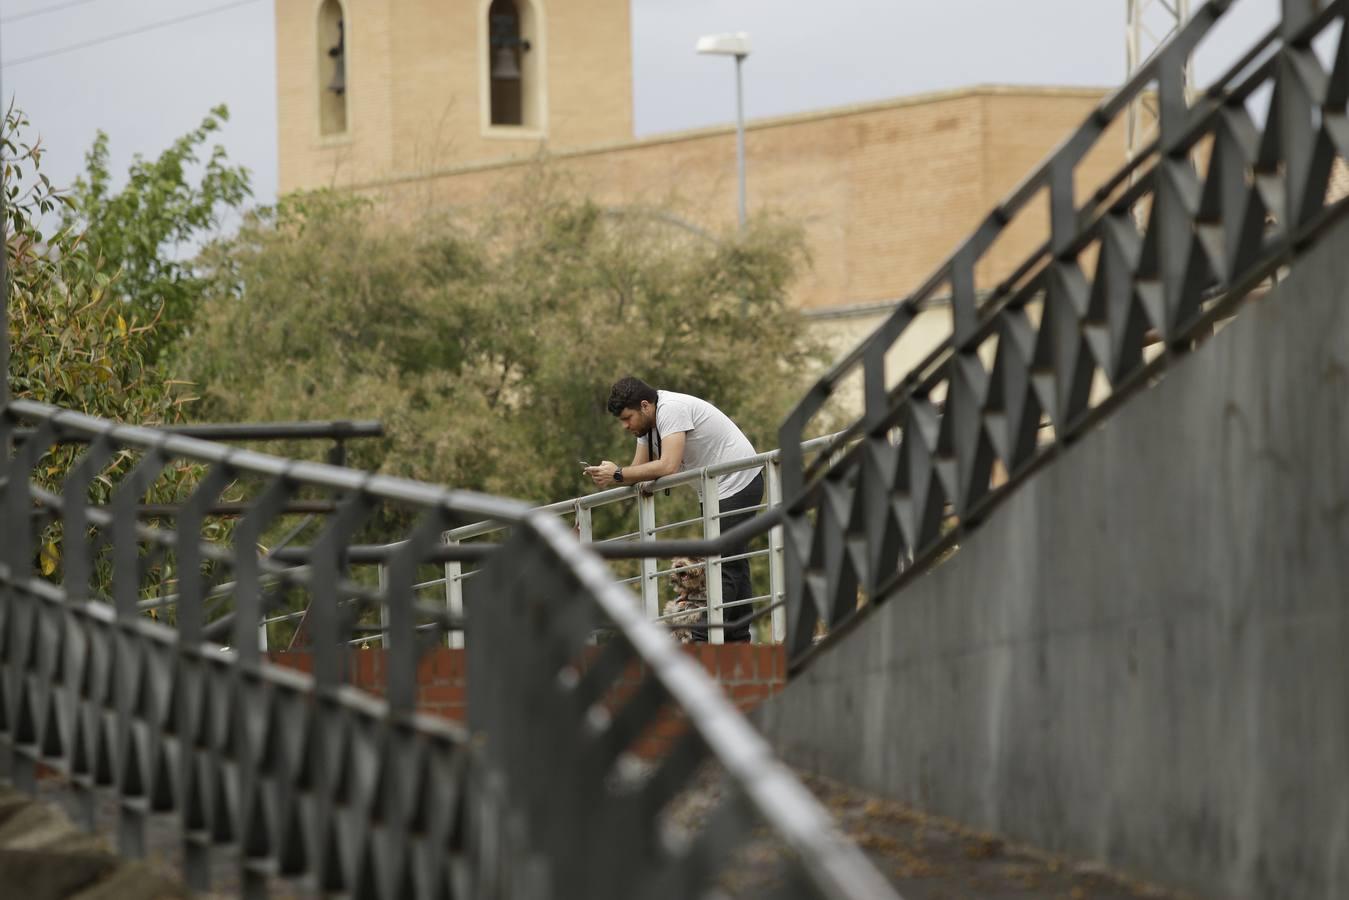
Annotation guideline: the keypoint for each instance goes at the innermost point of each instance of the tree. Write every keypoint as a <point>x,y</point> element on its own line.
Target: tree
<point>143,230</point>
<point>73,342</point>
<point>487,346</point>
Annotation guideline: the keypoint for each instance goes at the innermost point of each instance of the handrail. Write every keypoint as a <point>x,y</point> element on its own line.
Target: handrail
<point>260,431</point>
<point>958,266</point>
<point>378,553</point>
<point>270,762</point>
<point>647,543</point>
<point>628,492</point>
<point>1170,243</point>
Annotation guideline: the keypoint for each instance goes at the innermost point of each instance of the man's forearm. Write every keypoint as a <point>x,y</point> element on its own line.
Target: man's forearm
<point>647,471</point>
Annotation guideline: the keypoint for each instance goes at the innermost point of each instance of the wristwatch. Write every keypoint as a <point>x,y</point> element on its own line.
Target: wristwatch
<point>618,474</point>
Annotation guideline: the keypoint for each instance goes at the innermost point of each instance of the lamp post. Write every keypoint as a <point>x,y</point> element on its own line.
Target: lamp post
<point>736,45</point>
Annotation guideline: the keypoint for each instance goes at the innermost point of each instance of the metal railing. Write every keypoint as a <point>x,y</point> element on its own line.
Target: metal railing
<point>638,506</point>
<point>305,777</point>
<point>1162,251</point>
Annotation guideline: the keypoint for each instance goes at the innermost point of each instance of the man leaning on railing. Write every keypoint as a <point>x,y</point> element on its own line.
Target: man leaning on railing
<point>676,432</point>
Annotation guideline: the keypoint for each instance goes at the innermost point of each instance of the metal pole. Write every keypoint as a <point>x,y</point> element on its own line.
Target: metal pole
<point>777,576</point>
<point>1131,61</point>
<point>1140,42</point>
<point>585,529</point>
<point>454,596</point>
<point>740,133</point>
<point>383,575</point>
<point>712,530</point>
<point>646,531</point>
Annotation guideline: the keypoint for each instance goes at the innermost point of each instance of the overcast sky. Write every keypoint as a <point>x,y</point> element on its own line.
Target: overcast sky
<point>156,82</point>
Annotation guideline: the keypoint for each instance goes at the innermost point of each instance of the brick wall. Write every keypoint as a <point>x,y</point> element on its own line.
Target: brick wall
<point>415,85</point>
<point>884,191</point>
<point>748,673</point>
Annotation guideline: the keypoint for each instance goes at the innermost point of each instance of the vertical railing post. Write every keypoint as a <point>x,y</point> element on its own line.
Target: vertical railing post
<point>776,572</point>
<point>711,531</point>
<point>384,606</point>
<point>191,670</point>
<point>585,533</point>
<point>454,596</point>
<point>1296,14</point>
<point>17,552</point>
<point>585,530</point>
<point>128,654</point>
<point>646,531</point>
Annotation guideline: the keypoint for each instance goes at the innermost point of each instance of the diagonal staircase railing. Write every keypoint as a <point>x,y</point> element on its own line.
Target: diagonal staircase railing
<point>1126,278</point>
<point>309,778</point>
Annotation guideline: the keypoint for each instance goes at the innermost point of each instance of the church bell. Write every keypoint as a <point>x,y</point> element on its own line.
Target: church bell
<point>504,66</point>
<point>338,52</point>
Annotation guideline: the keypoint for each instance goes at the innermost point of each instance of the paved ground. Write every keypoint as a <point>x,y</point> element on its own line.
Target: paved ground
<point>164,851</point>
<point>928,858</point>
<point>925,857</point>
<point>43,856</point>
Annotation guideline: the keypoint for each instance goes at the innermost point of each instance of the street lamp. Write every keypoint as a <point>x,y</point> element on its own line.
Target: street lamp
<point>736,45</point>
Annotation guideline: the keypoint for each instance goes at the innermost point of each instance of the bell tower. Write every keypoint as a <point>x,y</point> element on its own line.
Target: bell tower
<point>369,90</point>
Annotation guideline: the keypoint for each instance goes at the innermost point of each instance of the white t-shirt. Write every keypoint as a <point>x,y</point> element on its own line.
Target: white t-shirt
<point>710,437</point>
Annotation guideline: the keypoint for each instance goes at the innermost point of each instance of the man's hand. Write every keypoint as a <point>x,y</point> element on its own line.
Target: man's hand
<point>603,474</point>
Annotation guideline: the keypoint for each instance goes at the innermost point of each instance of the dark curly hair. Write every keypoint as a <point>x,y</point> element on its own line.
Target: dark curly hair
<point>628,393</point>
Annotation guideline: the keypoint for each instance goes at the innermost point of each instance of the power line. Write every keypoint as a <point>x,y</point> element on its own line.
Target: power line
<point>19,17</point>
<point>124,34</point>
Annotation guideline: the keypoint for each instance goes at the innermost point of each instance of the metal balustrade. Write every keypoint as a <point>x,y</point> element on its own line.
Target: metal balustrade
<point>305,777</point>
<point>1160,253</point>
<point>642,515</point>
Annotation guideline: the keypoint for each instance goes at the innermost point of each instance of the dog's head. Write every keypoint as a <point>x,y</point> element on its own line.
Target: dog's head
<point>688,580</point>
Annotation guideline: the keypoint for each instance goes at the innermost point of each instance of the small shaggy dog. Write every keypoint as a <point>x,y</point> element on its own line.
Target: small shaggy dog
<point>688,607</point>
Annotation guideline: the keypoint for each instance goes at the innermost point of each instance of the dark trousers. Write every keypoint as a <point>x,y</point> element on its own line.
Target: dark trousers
<point>735,580</point>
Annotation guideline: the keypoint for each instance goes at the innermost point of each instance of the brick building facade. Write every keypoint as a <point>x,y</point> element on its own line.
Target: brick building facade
<point>884,190</point>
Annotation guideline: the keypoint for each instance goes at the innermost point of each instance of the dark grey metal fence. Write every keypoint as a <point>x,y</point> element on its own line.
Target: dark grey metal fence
<point>1128,276</point>
<point>309,778</point>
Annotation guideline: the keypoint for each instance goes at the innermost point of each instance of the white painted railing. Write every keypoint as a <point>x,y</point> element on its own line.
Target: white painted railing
<point>643,515</point>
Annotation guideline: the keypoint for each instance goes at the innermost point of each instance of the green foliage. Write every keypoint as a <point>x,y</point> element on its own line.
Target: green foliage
<point>140,231</point>
<point>487,347</point>
<point>73,343</point>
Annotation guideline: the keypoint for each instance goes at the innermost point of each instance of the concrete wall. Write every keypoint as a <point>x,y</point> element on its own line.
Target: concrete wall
<point>1141,657</point>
